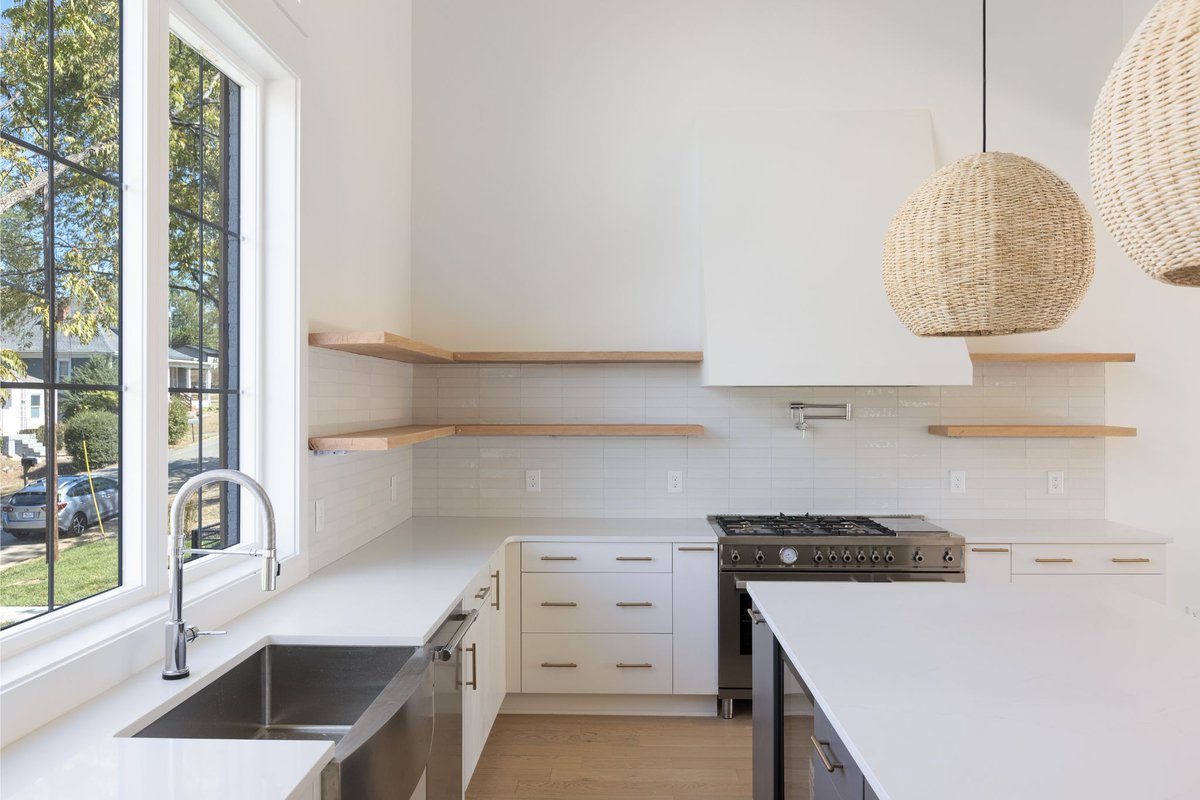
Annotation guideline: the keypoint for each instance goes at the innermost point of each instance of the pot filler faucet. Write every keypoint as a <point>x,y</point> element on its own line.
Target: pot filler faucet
<point>179,633</point>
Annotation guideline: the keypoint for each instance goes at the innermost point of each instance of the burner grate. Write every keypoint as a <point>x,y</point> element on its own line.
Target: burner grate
<point>801,525</point>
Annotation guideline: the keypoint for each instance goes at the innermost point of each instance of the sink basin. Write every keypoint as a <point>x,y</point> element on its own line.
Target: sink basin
<point>374,703</point>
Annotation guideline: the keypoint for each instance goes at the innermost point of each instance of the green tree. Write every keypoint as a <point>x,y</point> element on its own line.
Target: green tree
<point>96,370</point>
<point>178,414</point>
<point>100,431</point>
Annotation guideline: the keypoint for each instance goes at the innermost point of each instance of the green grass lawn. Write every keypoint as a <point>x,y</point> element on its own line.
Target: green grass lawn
<point>82,571</point>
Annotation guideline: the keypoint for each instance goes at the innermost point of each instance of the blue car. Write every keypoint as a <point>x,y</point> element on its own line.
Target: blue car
<point>24,511</point>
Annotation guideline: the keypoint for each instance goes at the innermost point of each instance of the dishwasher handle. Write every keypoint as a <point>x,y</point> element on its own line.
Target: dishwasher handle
<point>446,651</point>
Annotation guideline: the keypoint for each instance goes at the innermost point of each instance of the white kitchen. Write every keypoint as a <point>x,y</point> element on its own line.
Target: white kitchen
<point>496,399</point>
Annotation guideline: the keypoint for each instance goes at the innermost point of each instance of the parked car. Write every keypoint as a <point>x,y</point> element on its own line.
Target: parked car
<point>24,511</point>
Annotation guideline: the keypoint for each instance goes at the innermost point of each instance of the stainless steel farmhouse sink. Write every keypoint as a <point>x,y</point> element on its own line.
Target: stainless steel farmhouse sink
<point>375,703</point>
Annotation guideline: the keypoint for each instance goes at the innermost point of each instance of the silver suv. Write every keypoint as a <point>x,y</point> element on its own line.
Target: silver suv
<point>24,511</point>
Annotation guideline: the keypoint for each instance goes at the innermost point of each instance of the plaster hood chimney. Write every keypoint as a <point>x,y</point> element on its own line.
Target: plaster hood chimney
<point>794,206</point>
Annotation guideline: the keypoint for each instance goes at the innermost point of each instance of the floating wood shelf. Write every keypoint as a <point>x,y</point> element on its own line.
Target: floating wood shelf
<point>580,430</point>
<point>1031,431</point>
<point>1052,358</point>
<point>391,438</point>
<point>381,438</point>
<point>382,344</point>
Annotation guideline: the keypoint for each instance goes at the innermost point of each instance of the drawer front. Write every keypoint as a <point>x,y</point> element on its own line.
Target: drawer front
<point>846,778</point>
<point>595,602</point>
<point>988,563</point>
<point>1152,587</point>
<point>596,663</point>
<point>1088,559</point>
<point>595,557</point>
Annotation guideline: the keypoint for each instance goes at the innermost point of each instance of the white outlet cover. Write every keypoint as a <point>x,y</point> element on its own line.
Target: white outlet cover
<point>533,480</point>
<point>958,481</point>
<point>1056,482</point>
<point>674,481</point>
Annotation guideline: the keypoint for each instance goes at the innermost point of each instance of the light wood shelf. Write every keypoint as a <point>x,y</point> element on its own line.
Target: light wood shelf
<point>1031,431</point>
<point>1052,358</point>
<point>382,344</point>
<point>580,430</point>
<point>381,438</point>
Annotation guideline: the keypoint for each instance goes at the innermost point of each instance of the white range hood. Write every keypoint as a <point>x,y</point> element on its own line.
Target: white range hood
<point>793,211</point>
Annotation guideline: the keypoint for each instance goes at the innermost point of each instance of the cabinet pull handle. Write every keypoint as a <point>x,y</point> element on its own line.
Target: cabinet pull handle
<point>559,605</point>
<point>635,558</point>
<point>559,665</point>
<point>1054,560</point>
<point>696,549</point>
<point>643,604</point>
<point>989,549</point>
<point>830,764</point>
<point>756,616</point>
<point>474,682</point>
<point>496,597</point>
<point>482,593</point>
<point>559,558</point>
<point>1131,561</point>
<point>621,665</point>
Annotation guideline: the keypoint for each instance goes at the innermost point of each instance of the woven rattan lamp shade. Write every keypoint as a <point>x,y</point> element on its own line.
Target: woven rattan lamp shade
<point>1145,146</point>
<point>990,245</point>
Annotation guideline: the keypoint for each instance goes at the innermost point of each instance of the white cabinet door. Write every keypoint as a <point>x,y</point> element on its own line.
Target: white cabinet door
<point>474,649</point>
<point>1153,587</point>
<point>694,626</point>
<point>989,563</point>
<point>495,661</point>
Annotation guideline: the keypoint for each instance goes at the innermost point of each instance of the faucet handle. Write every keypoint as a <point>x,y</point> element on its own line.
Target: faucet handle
<point>191,633</point>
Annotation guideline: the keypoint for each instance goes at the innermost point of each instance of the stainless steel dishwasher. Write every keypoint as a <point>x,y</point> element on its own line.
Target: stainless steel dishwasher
<point>444,778</point>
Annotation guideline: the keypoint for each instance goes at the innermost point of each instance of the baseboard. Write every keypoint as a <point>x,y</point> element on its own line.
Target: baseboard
<point>646,705</point>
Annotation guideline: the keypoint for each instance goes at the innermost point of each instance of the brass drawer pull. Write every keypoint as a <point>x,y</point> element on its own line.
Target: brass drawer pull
<point>482,593</point>
<point>559,605</point>
<point>635,558</point>
<point>559,665</point>
<point>696,549</point>
<point>496,597</point>
<point>635,605</point>
<point>559,558</point>
<point>621,665</point>
<point>1054,560</point>
<point>1131,561</point>
<point>474,682</point>
<point>830,764</point>
<point>989,549</point>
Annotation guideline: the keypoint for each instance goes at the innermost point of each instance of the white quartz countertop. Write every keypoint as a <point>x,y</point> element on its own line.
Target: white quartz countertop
<point>1049,531</point>
<point>946,691</point>
<point>393,591</point>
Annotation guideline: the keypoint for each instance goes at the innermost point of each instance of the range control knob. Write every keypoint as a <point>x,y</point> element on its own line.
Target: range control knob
<point>846,556</point>
<point>759,556</point>
<point>832,556</point>
<point>888,557</point>
<point>788,555</point>
<point>862,556</point>
<point>733,555</point>
<point>818,556</point>
<point>949,556</point>
<point>875,557</point>
<point>917,557</point>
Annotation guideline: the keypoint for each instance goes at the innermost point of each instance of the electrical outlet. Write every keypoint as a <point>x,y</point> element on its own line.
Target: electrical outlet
<point>533,480</point>
<point>395,488</point>
<point>958,481</point>
<point>319,514</point>
<point>674,481</point>
<point>1056,482</point>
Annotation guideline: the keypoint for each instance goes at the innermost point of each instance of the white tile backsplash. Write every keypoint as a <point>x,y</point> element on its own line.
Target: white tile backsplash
<point>751,459</point>
<point>349,392</point>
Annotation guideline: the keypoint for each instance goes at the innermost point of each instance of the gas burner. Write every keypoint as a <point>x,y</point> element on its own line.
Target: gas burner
<point>805,525</point>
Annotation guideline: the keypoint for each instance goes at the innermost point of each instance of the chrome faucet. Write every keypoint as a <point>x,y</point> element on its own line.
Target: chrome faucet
<point>179,633</point>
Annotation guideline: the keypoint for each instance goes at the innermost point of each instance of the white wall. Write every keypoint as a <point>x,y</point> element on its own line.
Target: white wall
<point>555,183</point>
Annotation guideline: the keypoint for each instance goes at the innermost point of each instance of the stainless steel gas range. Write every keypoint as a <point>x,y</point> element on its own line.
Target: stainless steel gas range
<point>815,548</point>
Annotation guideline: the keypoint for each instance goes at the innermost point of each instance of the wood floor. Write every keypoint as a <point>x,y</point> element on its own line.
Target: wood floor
<point>632,758</point>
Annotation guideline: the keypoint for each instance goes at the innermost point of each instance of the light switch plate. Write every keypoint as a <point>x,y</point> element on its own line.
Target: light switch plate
<point>533,480</point>
<point>958,481</point>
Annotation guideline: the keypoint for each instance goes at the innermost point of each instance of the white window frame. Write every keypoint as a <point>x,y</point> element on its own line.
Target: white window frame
<point>270,445</point>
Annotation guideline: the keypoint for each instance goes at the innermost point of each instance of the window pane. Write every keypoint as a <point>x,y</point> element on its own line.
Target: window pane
<point>23,232</point>
<point>87,119</point>
<point>24,69</point>
<point>24,575</point>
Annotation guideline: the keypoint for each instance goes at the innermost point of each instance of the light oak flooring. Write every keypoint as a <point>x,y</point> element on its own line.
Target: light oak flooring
<point>552,757</point>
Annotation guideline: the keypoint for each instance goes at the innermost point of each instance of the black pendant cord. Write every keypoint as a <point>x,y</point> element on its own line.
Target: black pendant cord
<point>984,71</point>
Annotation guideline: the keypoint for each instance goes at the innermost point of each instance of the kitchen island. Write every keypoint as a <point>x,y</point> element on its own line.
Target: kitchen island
<point>952,691</point>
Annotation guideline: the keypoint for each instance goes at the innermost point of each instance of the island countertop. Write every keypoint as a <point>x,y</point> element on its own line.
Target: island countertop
<point>949,691</point>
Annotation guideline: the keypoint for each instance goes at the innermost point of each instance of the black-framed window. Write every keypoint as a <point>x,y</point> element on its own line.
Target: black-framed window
<point>60,303</point>
<point>205,107</point>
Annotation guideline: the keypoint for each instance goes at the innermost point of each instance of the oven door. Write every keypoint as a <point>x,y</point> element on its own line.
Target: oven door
<point>734,629</point>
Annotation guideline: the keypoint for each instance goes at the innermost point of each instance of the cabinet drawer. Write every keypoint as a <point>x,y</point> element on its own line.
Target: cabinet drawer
<point>846,778</point>
<point>595,557</point>
<point>1088,559</point>
<point>596,663</point>
<point>1152,587</point>
<point>988,563</point>
<point>595,602</point>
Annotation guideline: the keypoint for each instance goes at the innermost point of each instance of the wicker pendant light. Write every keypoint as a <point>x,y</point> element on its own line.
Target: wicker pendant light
<point>990,245</point>
<point>1145,145</point>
